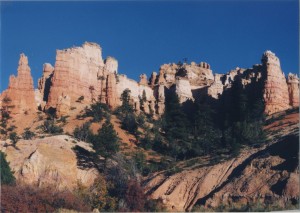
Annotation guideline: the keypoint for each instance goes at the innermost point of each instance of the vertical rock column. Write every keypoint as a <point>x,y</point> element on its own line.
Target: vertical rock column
<point>275,92</point>
<point>20,96</point>
<point>293,86</point>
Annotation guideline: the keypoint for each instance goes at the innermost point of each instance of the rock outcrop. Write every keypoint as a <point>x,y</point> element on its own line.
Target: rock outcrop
<point>80,73</point>
<point>76,74</point>
<point>143,79</point>
<point>48,161</point>
<point>276,94</point>
<point>183,89</point>
<point>293,85</point>
<point>267,175</point>
<point>19,98</point>
<point>44,83</point>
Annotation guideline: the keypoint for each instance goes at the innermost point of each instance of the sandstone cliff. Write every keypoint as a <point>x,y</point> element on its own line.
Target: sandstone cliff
<point>80,72</point>
<point>276,94</point>
<point>20,96</point>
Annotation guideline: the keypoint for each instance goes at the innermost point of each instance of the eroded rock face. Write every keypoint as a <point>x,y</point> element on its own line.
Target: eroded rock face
<point>250,177</point>
<point>44,84</point>
<point>216,88</point>
<point>143,79</point>
<point>49,160</point>
<point>63,105</point>
<point>276,94</point>
<point>293,86</point>
<point>183,89</point>
<point>76,74</point>
<point>19,98</point>
<point>137,91</point>
<point>81,72</point>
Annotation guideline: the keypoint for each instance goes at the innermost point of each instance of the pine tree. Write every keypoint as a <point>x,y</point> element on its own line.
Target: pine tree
<point>176,127</point>
<point>7,176</point>
<point>106,142</point>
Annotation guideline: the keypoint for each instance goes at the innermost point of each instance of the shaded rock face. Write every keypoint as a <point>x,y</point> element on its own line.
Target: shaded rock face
<point>276,94</point>
<point>44,84</point>
<point>20,96</point>
<point>49,161</point>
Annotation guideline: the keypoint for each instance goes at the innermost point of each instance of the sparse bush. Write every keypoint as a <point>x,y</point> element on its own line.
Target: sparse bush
<point>13,137</point>
<point>35,199</point>
<point>27,134</point>
<point>50,127</point>
<point>80,99</point>
<point>98,111</point>
<point>83,132</point>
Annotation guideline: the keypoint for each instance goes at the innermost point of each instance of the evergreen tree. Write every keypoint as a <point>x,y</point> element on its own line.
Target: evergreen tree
<point>106,142</point>
<point>125,97</point>
<point>176,127</point>
<point>7,176</point>
<point>206,135</point>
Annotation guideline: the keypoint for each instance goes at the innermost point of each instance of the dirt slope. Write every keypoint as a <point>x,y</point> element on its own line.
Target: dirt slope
<point>265,174</point>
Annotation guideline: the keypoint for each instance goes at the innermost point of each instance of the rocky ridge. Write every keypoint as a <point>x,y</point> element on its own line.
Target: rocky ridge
<point>80,73</point>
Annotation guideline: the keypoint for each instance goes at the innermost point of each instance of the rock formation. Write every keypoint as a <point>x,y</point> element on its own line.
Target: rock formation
<point>44,84</point>
<point>20,96</point>
<point>63,105</point>
<point>254,176</point>
<point>183,89</point>
<point>276,94</point>
<point>76,74</point>
<point>81,72</point>
<point>143,79</point>
<point>293,85</point>
<point>48,161</point>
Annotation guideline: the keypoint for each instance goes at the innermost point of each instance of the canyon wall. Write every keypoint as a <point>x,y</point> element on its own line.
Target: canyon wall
<point>80,73</point>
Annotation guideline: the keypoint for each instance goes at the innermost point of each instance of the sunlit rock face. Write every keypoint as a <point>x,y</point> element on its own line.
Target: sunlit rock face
<point>81,73</point>
<point>76,74</point>
<point>275,92</point>
<point>19,98</point>
<point>293,86</point>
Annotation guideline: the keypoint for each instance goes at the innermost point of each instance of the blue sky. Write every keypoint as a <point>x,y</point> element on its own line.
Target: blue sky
<point>144,35</point>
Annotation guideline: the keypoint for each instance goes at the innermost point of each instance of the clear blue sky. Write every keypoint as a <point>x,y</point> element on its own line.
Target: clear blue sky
<point>144,35</point>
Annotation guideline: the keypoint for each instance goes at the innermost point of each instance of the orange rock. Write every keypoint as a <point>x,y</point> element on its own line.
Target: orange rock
<point>276,94</point>
<point>293,85</point>
<point>20,95</point>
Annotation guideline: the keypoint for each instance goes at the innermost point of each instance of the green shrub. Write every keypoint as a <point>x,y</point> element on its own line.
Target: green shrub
<point>13,137</point>
<point>50,127</point>
<point>83,133</point>
<point>98,111</point>
<point>27,134</point>
<point>7,176</point>
<point>129,123</point>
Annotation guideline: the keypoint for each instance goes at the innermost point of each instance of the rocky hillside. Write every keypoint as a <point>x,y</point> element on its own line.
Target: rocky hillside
<point>184,140</point>
<point>259,178</point>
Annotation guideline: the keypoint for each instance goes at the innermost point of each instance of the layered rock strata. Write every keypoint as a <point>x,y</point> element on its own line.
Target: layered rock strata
<point>19,98</point>
<point>276,94</point>
<point>80,73</point>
